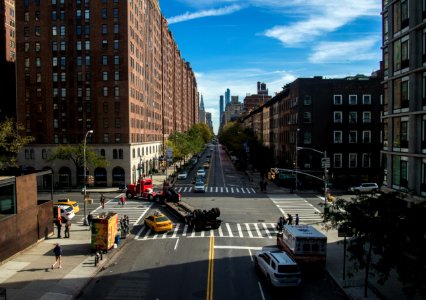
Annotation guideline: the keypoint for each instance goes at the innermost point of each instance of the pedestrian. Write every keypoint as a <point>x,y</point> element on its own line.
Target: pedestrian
<point>280,223</point>
<point>58,223</point>
<point>58,254</point>
<point>123,200</point>
<point>264,186</point>
<point>103,201</point>
<point>297,219</point>
<point>67,228</point>
<point>289,219</point>
<point>89,219</point>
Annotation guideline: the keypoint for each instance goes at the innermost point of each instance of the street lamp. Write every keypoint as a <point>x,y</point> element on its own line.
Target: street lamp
<point>85,222</point>
<point>325,162</point>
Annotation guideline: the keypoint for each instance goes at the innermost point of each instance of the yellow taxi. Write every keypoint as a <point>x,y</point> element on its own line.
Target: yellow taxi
<point>67,201</point>
<point>158,222</point>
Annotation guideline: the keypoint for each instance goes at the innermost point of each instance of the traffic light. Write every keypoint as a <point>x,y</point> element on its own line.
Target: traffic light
<point>269,175</point>
<point>272,176</point>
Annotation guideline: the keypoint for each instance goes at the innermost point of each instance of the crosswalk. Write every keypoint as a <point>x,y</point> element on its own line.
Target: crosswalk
<point>134,209</point>
<point>226,230</point>
<point>218,189</point>
<point>293,204</point>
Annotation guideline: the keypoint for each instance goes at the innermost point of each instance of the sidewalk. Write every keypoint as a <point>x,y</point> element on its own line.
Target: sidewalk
<point>28,274</point>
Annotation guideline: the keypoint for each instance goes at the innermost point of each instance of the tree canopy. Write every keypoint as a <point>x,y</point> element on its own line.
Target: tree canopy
<point>11,142</point>
<point>388,234</point>
<point>75,153</point>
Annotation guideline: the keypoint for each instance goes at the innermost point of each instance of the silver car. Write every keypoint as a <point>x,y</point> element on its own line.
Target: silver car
<point>200,187</point>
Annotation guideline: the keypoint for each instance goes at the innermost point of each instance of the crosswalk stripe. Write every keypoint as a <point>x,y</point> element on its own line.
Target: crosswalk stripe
<point>257,230</point>
<point>220,232</point>
<point>229,230</point>
<point>248,230</point>
<point>266,229</point>
<point>176,230</point>
<point>239,230</point>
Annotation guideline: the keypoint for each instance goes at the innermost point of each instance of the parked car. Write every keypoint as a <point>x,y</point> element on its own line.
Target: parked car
<point>67,201</point>
<point>278,267</point>
<point>206,165</point>
<point>200,187</point>
<point>66,211</point>
<point>183,175</point>
<point>366,187</point>
<point>158,222</point>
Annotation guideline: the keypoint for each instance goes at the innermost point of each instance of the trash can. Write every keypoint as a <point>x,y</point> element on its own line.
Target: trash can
<point>117,239</point>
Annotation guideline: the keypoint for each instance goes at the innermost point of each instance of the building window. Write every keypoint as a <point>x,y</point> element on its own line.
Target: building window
<point>338,117</point>
<point>106,138</point>
<point>366,161</point>
<point>307,117</point>
<point>37,47</point>
<point>116,91</point>
<point>104,28</point>
<point>400,171</point>
<point>117,123</point>
<point>105,59</point>
<point>307,100</point>
<point>105,91</point>
<point>352,160</point>
<point>307,137</point>
<point>353,137</point>
<point>87,45</point>
<point>104,44</point>
<point>400,15</point>
<point>116,75</point>
<point>386,62</point>
<point>105,76</point>
<point>117,141</point>
<point>366,99</point>
<point>353,100</point>
<point>104,13</point>
<point>106,123</point>
<point>337,99</point>
<point>337,137</point>
<point>114,154</point>
<point>353,116</point>
<point>116,60</point>
<point>366,117</point>
<point>366,136</point>
<point>337,160</point>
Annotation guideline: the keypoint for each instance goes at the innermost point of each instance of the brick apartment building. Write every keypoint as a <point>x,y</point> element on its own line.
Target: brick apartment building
<point>108,66</point>
<point>7,59</point>
<point>404,102</point>
<point>338,116</point>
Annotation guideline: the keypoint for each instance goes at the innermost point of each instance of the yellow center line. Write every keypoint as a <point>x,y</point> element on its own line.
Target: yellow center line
<point>209,295</point>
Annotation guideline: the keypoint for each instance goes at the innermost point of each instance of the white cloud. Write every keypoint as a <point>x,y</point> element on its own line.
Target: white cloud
<point>322,17</point>
<point>204,13</point>
<point>337,52</point>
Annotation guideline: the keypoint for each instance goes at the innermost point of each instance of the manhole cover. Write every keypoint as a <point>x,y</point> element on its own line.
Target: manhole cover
<point>260,220</point>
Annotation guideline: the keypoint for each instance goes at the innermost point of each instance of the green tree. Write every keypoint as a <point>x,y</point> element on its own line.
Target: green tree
<point>75,153</point>
<point>388,234</point>
<point>11,142</point>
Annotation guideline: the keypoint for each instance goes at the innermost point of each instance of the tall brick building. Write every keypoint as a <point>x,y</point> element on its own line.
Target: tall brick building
<point>104,65</point>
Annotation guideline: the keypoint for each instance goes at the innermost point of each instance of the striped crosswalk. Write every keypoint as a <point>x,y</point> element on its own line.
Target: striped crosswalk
<point>229,230</point>
<point>293,204</point>
<point>134,209</point>
<point>218,189</point>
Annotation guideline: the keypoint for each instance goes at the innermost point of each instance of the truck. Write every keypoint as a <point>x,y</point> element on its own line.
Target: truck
<point>144,189</point>
<point>194,218</point>
<point>305,244</point>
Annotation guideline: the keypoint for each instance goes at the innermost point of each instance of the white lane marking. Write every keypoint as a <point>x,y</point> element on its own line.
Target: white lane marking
<point>177,242</point>
<point>248,230</point>
<point>220,232</point>
<point>261,291</point>
<point>229,230</point>
<point>237,247</point>
<point>256,226</point>
<point>251,255</point>
<point>185,230</point>
<point>176,230</point>
<point>239,230</point>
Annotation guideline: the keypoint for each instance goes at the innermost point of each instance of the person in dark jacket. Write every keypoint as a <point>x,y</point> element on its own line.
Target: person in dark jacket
<point>58,255</point>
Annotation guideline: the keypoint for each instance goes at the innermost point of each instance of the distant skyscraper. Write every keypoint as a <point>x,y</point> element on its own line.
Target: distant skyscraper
<point>202,111</point>
<point>221,107</point>
<point>227,97</point>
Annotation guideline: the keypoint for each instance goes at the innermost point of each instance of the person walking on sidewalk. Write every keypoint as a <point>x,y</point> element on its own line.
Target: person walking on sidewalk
<point>296,221</point>
<point>67,228</point>
<point>289,219</point>
<point>58,255</point>
<point>103,201</point>
<point>123,200</point>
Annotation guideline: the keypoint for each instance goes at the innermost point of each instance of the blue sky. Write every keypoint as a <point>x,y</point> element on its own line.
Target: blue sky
<point>236,43</point>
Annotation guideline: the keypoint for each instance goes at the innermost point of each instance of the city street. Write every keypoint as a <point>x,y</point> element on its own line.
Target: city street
<point>188,264</point>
